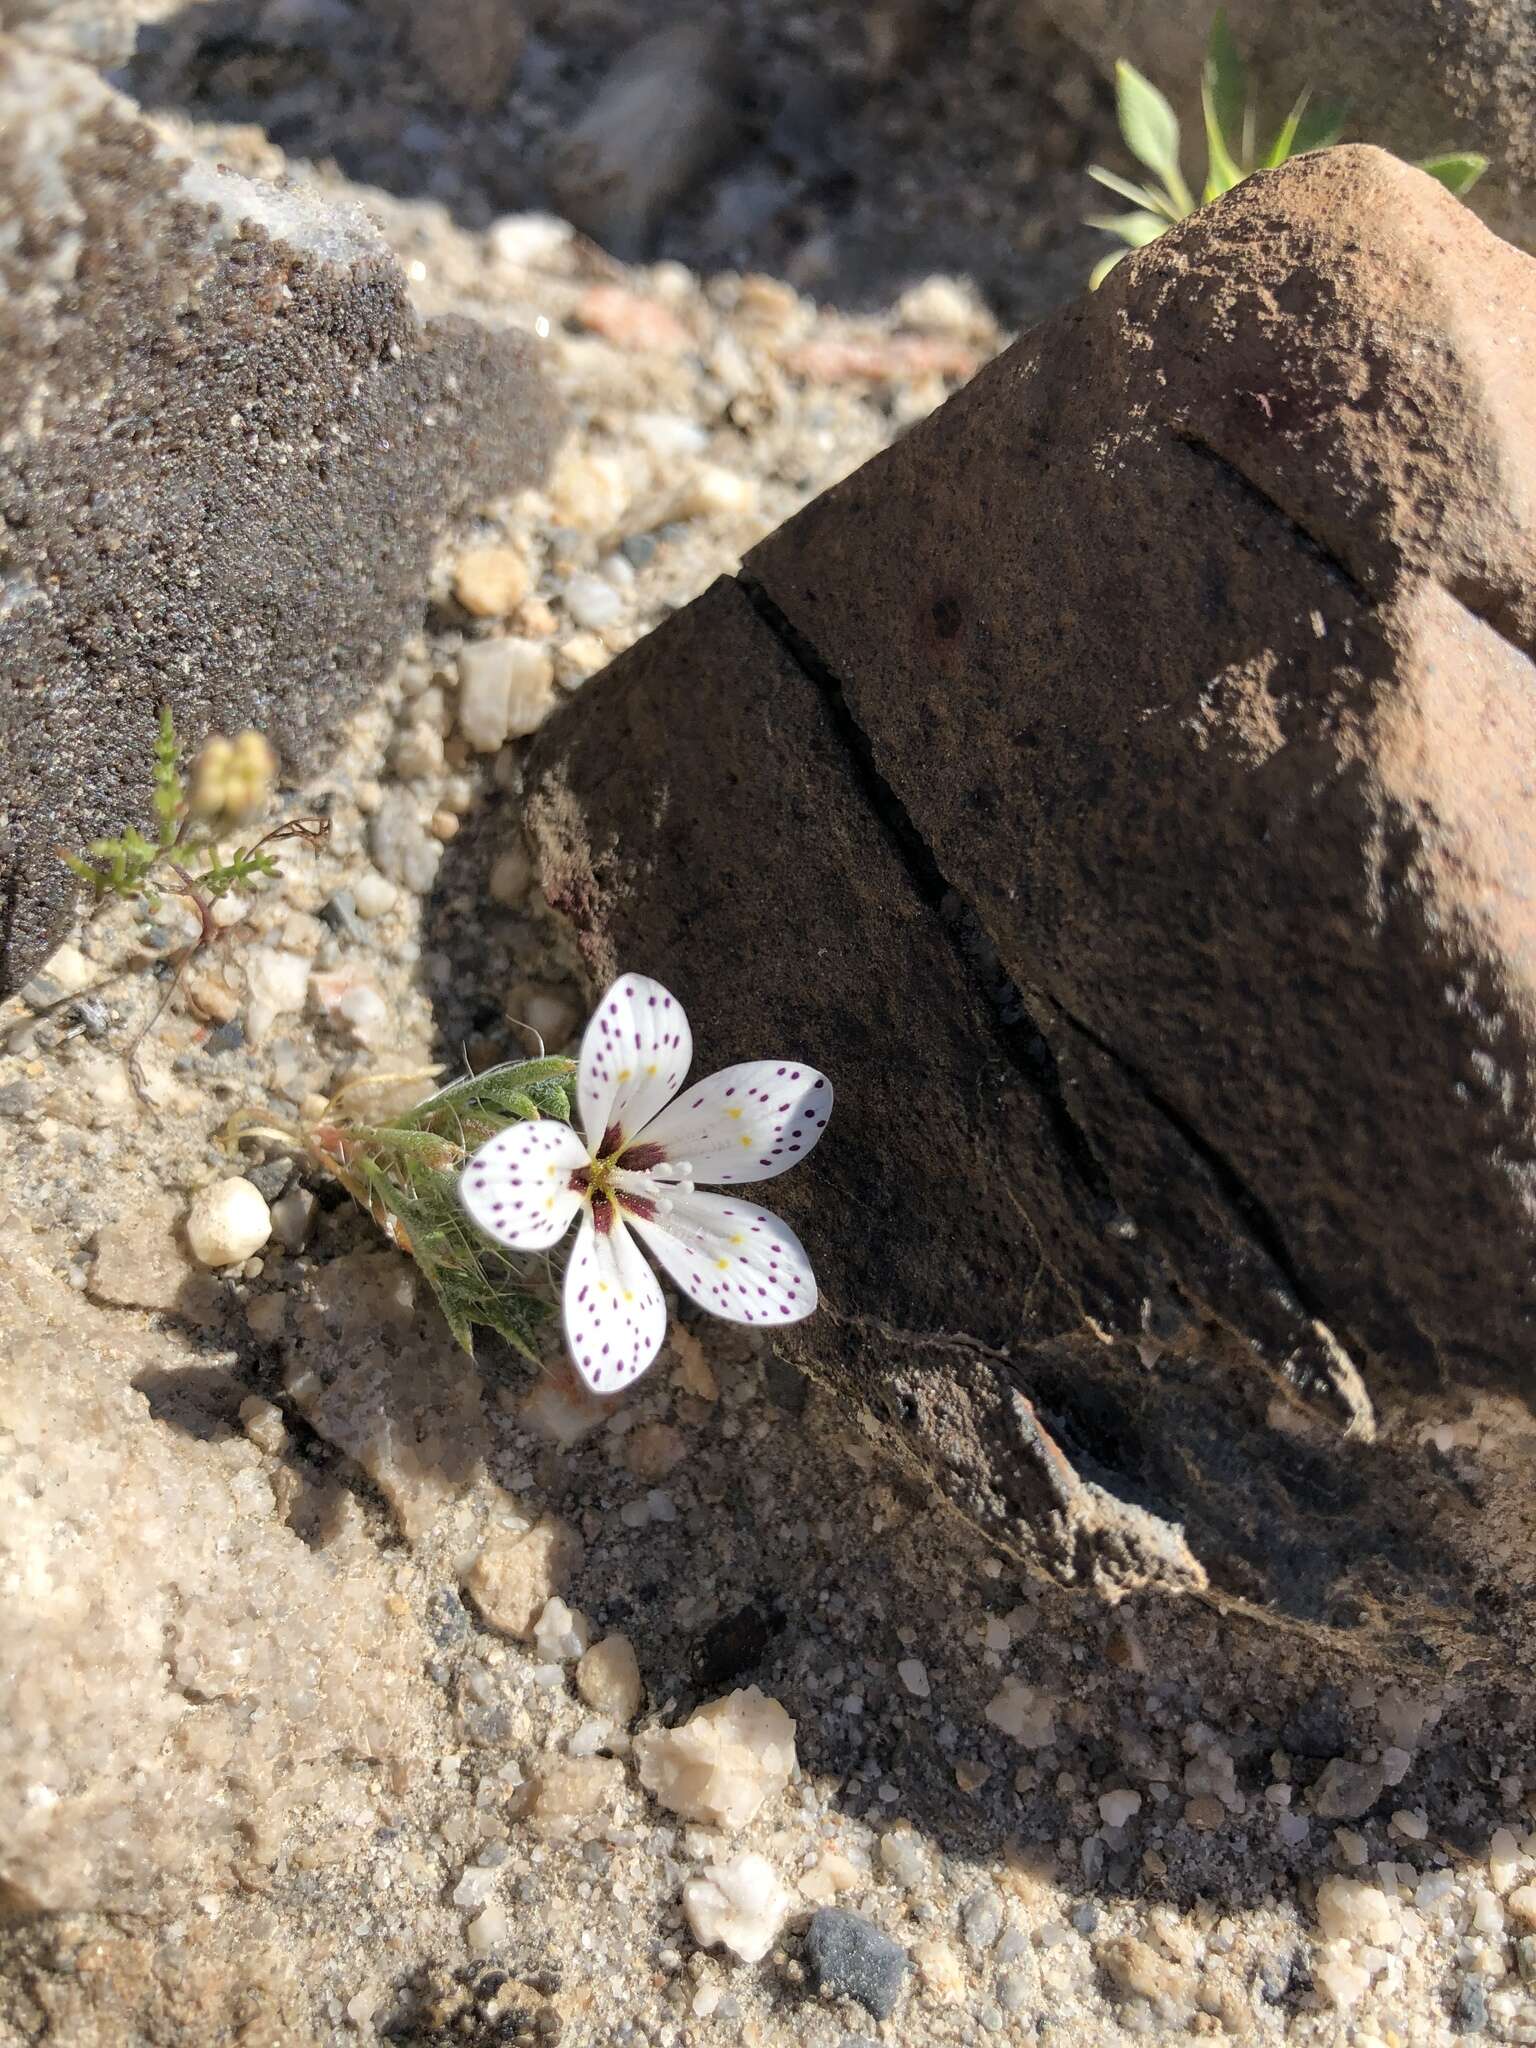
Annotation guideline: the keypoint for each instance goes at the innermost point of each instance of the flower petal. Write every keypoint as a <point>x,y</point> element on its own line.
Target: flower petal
<point>745,1123</point>
<point>615,1317</point>
<point>634,1055</point>
<point>734,1259</point>
<point>517,1187</point>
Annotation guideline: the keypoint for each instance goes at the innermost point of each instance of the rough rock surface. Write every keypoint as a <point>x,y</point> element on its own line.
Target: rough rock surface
<point>180,1665</point>
<point>1138,754</point>
<point>226,446</point>
<point>1414,79</point>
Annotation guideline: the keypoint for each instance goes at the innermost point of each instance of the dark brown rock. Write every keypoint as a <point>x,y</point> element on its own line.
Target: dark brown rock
<point>226,445</point>
<point>1125,788</point>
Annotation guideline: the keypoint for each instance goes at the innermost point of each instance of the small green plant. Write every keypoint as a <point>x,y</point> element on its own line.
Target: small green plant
<point>1150,129</point>
<point>230,778</point>
<point>186,843</point>
<point>404,1170</point>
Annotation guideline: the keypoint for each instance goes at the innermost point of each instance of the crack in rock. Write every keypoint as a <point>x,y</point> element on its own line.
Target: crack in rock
<point>1317,1366</point>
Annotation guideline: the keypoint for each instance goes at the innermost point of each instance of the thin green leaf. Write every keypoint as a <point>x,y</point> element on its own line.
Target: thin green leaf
<point>1223,170</point>
<point>1458,171</point>
<point>1320,127</point>
<point>1151,131</point>
<point>1134,229</point>
<point>1306,126</point>
<point>1280,149</point>
<point>1139,195</point>
<point>1104,266</point>
<point>1224,94</point>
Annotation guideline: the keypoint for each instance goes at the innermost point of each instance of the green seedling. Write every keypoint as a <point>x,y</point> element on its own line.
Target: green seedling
<point>1150,130</point>
<point>184,857</point>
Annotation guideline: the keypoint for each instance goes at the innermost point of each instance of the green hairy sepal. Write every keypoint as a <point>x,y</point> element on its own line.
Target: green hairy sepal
<point>405,1169</point>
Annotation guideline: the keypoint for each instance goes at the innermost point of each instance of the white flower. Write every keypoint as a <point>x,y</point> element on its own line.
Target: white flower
<point>635,1177</point>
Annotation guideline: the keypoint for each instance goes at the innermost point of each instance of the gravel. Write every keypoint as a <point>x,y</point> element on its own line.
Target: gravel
<point>1055,1811</point>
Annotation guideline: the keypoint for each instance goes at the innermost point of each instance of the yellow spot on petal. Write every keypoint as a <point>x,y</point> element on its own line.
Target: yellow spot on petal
<point>625,1075</point>
<point>748,1143</point>
<point>550,1203</point>
<point>602,1286</point>
<point>738,1238</point>
<point>652,1072</point>
<point>722,1264</point>
<point>734,1112</point>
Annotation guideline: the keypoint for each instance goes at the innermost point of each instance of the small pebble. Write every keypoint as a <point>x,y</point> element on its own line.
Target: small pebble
<point>914,1677</point>
<point>561,1633</point>
<point>850,1957</point>
<point>506,687</point>
<point>588,492</point>
<point>1116,1808</point>
<point>981,1919</point>
<point>593,602</point>
<point>418,753</point>
<point>277,983</point>
<point>739,1905</point>
<point>608,1679</point>
<point>266,1314</point>
<point>581,657</point>
<point>228,1221</point>
<point>262,1420</point>
<point>66,972</point>
<point>293,1218</point>
<point>401,846</point>
<point>373,894</point>
<point>492,582</point>
<point>904,1857</point>
<point>1017,1989</point>
<point>1346,1790</point>
<point>488,1931</point>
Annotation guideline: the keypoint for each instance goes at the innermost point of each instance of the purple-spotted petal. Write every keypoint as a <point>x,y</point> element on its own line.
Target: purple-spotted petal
<point>745,1123</point>
<point>634,1056</point>
<point>517,1187</point>
<point>615,1317</point>
<point>734,1259</point>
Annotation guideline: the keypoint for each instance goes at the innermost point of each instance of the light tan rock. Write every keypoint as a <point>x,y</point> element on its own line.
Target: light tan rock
<point>1350,1910</point>
<point>142,1261</point>
<point>608,1679</point>
<point>1024,1714</point>
<point>515,1576</point>
<point>724,1762</point>
<point>506,689</point>
<point>939,1971</point>
<point>492,582</point>
<point>573,1792</point>
<point>740,1905</point>
<point>176,1657</point>
<point>376,1373</point>
<point>228,1221</point>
